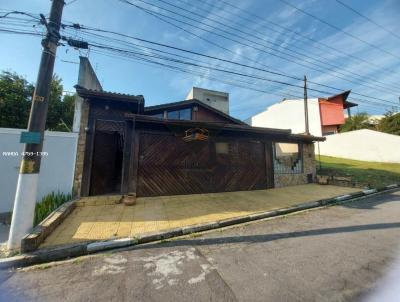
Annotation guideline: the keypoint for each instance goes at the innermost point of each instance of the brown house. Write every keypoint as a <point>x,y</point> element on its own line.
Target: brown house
<point>180,148</point>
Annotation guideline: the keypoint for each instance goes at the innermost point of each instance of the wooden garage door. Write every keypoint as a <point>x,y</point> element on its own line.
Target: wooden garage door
<point>170,166</point>
<point>239,166</point>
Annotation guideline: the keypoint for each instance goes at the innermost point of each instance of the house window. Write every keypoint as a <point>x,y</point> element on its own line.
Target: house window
<point>183,114</point>
<point>287,158</point>
<point>173,115</point>
<point>222,148</point>
<point>159,115</point>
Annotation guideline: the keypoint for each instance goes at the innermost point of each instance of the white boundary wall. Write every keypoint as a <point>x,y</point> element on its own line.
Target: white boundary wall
<point>367,145</point>
<point>57,169</point>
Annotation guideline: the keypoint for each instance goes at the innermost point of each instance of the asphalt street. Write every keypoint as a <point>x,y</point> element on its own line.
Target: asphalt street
<point>341,253</point>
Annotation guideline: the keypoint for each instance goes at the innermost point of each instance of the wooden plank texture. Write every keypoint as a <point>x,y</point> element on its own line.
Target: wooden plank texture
<point>170,166</point>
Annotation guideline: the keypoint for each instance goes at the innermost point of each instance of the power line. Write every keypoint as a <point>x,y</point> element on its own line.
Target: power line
<point>299,79</point>
<point>330,48</point>
<point>247,33</point>
<point>137,46</point>
<point>207,67</point>
<point>262,50</point>
<point>232,82</point>
<point>323,85</point>
<point>20,32</point>
<point>215,58</point>
<point>225,71</point>
<point>339,29</point>
<point>70,2</point>
<point>218,79</point>
<point>186,51</point>
<point>164,52</point>
<point>367,18</point>
<point>19,13</point>
<point>295,60</point>
<point>194,64</point>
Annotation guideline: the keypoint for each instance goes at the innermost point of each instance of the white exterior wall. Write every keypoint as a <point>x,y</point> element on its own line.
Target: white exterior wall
<point>86,78</point>
<point>367,145</point>
<point>216,99</point>
<point>289,114</point>
<point>57,169</point>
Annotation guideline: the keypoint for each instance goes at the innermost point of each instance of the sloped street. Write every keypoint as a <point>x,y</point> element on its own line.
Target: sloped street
<point>338,253</point>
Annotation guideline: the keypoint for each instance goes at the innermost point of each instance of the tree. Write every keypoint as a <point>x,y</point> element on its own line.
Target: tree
<point>68,112</point>
<point>390,123</point>
<point>357,122</point>
<point>15,103</point>
<point>15,100</point>
<point>60,114</point>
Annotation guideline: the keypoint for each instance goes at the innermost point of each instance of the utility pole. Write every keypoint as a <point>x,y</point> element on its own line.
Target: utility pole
<point>306,106</point>
<point>25,197</point>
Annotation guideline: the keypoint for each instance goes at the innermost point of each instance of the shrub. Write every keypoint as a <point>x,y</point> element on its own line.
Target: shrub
<point>390,123</point>
<point>357,122</point>
<point>48,204</point>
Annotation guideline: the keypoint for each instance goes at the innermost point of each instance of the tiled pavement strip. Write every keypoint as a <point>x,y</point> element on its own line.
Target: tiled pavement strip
<point>100,219</point>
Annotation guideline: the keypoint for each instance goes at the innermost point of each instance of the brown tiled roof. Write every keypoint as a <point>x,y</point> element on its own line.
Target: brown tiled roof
<point>90,93</point>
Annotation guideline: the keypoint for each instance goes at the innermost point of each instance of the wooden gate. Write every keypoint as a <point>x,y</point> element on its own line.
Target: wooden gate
<point>170,166</point>
<point>240,167</point>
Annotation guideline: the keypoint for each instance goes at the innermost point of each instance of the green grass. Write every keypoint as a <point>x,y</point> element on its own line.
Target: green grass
<point>363,173</point>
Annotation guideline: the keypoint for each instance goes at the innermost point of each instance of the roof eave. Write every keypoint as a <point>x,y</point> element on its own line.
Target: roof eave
<point>344,94</point>
<point>105,95</point>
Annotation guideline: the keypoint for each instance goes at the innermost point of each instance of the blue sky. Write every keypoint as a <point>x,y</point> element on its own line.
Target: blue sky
<point>22,53</point>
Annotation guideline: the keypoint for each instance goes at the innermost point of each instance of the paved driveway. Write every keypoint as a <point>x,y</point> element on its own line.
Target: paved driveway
<point>333,254</point>
<point>100,218</point>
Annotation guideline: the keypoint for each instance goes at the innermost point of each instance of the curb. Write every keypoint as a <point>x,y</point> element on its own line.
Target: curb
<point>39,233</point>
<point>85,248</point>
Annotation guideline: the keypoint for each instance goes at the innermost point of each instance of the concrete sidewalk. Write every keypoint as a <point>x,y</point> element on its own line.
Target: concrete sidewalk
<point>102,219</point>
<point>332,254</point>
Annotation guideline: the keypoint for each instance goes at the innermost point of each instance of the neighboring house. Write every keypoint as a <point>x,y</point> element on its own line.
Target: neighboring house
<point>325,115</point>
<point>216,99</point>
<point>184,147</point>
<point>375,119</point>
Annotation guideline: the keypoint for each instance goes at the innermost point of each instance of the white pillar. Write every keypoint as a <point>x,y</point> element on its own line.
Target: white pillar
<point>24,209</point>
